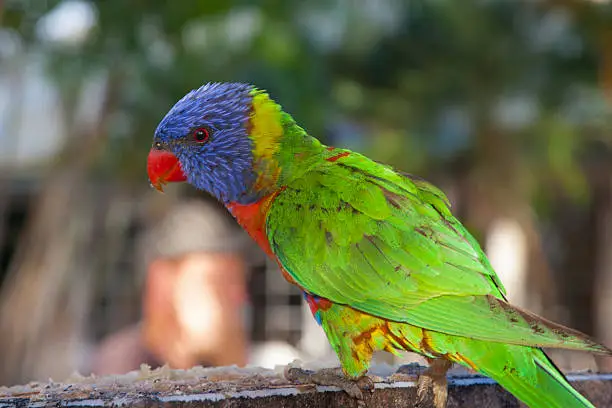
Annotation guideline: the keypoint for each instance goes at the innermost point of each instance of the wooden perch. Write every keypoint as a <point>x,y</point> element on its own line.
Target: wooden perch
<point>255,387</point>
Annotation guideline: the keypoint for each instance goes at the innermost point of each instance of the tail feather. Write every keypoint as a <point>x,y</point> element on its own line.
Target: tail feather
<point>489,318</point>
<point>527,373</point>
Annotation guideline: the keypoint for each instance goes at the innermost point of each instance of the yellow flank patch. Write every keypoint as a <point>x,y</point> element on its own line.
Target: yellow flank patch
<point>266,128</point>
<point>365,344</point>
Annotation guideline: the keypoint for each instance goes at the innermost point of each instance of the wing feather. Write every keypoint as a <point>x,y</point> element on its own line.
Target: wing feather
<point>358,233</point>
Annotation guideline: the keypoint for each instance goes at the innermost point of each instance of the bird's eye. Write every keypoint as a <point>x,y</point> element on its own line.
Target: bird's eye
<point>158,146</point>
<point>201,135</point>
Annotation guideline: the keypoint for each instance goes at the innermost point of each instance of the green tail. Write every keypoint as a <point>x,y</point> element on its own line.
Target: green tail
<point>529,375</point>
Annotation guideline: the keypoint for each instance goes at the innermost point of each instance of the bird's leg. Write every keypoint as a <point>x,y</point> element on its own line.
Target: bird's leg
<point>331,376</point>
<point>434,379</point>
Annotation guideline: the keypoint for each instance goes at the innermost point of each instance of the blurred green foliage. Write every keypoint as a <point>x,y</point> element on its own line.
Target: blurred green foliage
<point>422,84</point>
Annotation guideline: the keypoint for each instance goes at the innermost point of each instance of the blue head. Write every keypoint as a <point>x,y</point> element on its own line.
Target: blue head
<point>208,132</point>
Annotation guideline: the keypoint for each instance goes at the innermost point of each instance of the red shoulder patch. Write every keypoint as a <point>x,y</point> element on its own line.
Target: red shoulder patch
<point>338,156</point>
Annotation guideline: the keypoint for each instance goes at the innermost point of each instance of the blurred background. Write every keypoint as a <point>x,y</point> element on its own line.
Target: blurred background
<point>505,104</point>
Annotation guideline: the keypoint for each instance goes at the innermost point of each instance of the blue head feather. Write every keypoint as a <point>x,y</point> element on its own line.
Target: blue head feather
<point>223,165</point>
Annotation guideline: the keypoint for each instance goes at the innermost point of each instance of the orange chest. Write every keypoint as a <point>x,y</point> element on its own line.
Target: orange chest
<point>252,217</point>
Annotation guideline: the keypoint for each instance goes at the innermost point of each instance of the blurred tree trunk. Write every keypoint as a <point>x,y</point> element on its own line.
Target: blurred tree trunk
<point>44,300</point>
<point>495,191</point>
<point>13,116</point>
<point>603,273</point>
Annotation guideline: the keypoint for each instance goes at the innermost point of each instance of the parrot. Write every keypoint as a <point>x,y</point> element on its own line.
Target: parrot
<point>381,260</point>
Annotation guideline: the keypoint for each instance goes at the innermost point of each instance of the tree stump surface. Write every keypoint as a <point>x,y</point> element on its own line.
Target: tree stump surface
<point>262,388</point>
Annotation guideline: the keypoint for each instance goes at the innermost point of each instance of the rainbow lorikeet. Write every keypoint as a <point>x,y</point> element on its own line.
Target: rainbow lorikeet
<point>382,261</point>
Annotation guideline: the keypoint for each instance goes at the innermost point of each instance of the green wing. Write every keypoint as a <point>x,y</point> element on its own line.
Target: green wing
<point>361,234</point>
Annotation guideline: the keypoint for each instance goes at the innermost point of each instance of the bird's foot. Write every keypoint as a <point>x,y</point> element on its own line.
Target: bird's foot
<point>331,376</point>
<point>433,379</point>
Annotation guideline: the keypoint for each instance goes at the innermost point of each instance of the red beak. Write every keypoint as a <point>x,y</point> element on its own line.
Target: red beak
<point>163,167</point>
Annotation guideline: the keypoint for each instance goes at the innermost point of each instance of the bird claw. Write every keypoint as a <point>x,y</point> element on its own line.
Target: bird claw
<point>333,377</point>
<point>432,387</point>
